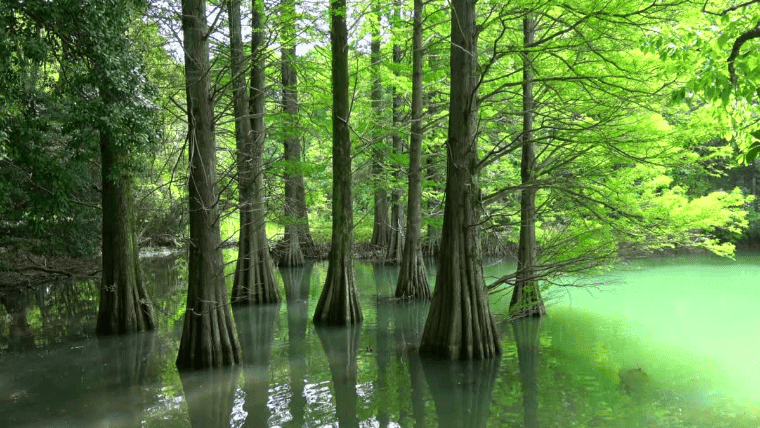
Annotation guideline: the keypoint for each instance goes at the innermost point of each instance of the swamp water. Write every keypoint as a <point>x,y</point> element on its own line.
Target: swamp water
<point>672,342</point>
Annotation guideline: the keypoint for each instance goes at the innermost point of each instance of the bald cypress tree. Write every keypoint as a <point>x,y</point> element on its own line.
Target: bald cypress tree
<point>339,301</point>
<point>208,334</point>
<point>460,324</point>
<point>413,280</point>
<point>254,275</point>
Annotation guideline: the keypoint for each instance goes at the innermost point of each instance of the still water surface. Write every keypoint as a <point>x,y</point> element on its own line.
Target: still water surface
<point>668,343</point>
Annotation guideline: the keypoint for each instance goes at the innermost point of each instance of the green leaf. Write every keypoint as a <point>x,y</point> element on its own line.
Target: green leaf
<point>752,153</point>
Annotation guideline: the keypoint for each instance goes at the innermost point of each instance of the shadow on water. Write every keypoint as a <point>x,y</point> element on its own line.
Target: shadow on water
<point>341,345</point>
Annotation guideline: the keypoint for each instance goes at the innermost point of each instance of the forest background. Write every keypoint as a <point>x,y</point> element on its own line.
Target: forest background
<point>641,137</point>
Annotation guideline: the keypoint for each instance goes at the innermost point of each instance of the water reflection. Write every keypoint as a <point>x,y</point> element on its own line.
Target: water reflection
<point>297,281</point>
<point>341,345</point>
<point>210,396</point>
<point>126,376</point>
<point>256,328</point>
<point>58,374</point>
<point>461,390</point>
<point>527,333</point>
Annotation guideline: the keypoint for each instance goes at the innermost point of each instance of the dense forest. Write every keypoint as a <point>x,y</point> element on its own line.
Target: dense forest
<point>566,135</point>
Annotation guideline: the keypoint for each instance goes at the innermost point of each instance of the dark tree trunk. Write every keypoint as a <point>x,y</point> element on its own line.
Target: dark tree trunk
<point>124,304</point>
<point>254,281</point>
<point>339,301</point>
<point>528,339</point>
<point>297,239</point>
<point>256,328</point>
<point>526,296</point>
<point>412,280</point>
<point>381,229</point>
<point>460,324</point>
<point>341,345</point>
<point>396,240</point>
<point>208,334</point>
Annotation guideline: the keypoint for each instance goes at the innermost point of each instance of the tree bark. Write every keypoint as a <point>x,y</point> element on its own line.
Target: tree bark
<point>381,229</point>
<point>460,324</point>
<point>396,240</point>
<point>124,304</point>
<point>412,280</point>
<point>297,236</point>
<point>339,302</point>
<point>208,334</point>
<point>526,295</point>
<point>254,281</point>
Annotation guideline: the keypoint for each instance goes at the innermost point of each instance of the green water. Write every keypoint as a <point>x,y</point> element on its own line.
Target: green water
<point>690,324</point>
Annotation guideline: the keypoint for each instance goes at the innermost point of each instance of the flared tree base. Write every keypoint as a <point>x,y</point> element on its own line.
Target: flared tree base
<point>413,280</point>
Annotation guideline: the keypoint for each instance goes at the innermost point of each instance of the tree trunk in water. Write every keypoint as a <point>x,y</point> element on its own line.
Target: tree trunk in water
<point>124,304</point>
<point>208,334</point>
<point>396,240</point>
<point>254,281</point>
<point>381,230</point>
<point>460,324</point>
<point>297,236</point>
<point>412,280</point>
<point>526,296</point>
<point>339,301</point>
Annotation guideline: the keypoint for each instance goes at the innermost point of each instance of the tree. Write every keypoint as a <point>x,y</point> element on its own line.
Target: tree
<point>413,280</point>
<point>460,324</point>
<point>381,229</point>
<point>208,333</point>
<point>526,295</point>
<point>254,276</point>
<point>297,235</point>
<point>396,241</point>
<point>339,302</point>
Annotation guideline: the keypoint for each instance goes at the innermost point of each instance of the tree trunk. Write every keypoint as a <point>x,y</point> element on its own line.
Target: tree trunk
<point>208,334</point>
<point>381,229</point>
<point>124,304</point>
<point>339,302</point>
<point>412,280</point>
<point>460,324</point>
<point>254,274</point>
<point>526,296</point>
<point>297,236</point>
<point>396,240</point>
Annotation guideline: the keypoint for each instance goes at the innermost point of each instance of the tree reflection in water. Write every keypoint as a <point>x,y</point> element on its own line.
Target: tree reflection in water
<point>297,282</point>
<point>341,345</point>
<point>256,326</point>
<point>210,396</point>
<point>461,390</point>
<point>410,321</point>
<point>527,336</point>
<point>126,376</point>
